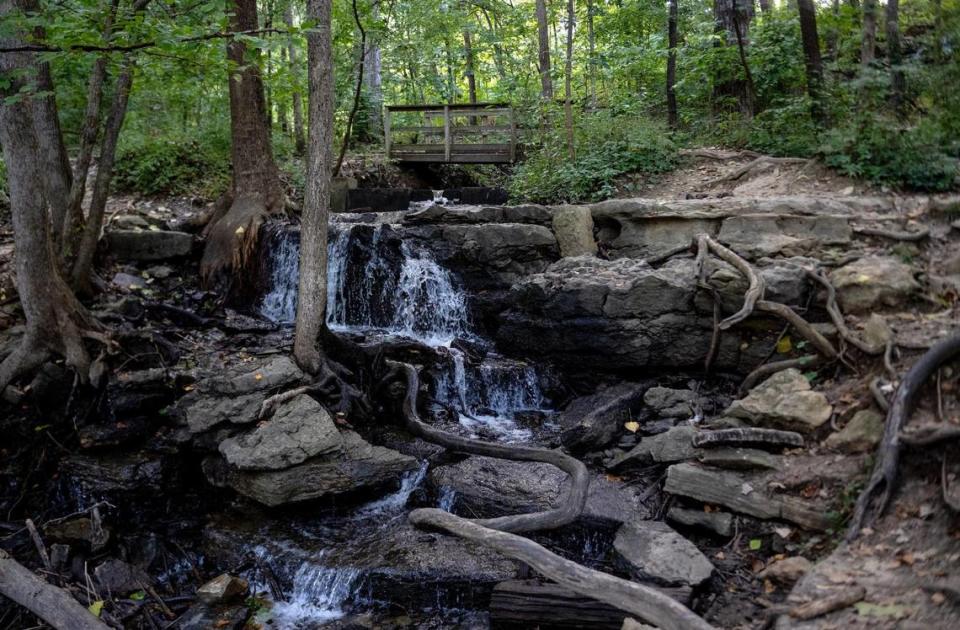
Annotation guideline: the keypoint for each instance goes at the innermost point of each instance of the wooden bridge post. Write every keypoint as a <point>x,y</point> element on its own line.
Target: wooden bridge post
<point>386,131</point>
<point>447,138</point>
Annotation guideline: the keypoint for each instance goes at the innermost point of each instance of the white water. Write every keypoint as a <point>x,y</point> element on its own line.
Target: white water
<point>393,503</point>
<point>319,594</point>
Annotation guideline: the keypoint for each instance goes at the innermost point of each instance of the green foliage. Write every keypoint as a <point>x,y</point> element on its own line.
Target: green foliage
<point>607,146</point>
<point>174,164</point>
<point>878,148</point>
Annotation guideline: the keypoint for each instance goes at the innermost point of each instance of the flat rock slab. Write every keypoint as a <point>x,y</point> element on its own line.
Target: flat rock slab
<point>652,550</point>
<point>673,445</point>
<point>874,282</point>
<point>749,493</point>
<point>300,429</point>
<point>148,245</point>
<point>783,401</point>
<point>360,465</point>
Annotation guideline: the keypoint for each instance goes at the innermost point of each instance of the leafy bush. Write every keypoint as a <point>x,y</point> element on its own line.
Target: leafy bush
<point>174,165</point>
<point>877,148</point>
<point>785,130</point>
<point>607,146</point>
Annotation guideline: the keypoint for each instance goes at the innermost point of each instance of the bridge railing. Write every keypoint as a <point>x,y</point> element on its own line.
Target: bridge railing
<point>480,133</point>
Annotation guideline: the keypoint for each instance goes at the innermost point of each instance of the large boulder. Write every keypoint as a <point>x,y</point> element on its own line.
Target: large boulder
<point>783,401</point>
<point>300,429</point>
<point>148,245</point>
<point>358,466</point>
<point>573,227</point>
<point>592,422</point>
<point>488,487</point>
<point>652,550</point>
<point>874,282</point>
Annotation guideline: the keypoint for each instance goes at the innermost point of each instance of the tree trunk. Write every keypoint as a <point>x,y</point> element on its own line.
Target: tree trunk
<point>469,71</point>
<point>83,266</point>
<point>543,56</point>
<point>362,48</point>
<point>811,58</point>
<point>567,82</point>
<point>894,57</point>
<point>868,46</point>
<point>592,52</point>
<point>672,116</point>
<point>373,80</point>
<point>312,295</point>
<point>297,104</point>
<point>55,319</point>
<point>765,5</point>
<point>732,18</point>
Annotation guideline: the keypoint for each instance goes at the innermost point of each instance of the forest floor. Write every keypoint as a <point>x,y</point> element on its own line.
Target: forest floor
<point>905,562</point>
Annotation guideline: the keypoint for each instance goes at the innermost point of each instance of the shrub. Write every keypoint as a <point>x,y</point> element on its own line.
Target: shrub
<point>174,165</point>
<point>607,145</point>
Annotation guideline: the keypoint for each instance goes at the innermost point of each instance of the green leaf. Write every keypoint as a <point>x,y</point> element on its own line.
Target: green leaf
<point>755,544</point>
<point>139,596</point>
<point>96,608</point>
<point>894,611</point>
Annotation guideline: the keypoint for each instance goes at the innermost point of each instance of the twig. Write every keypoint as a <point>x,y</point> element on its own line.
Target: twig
<point>38,543</point>
<point>829,603</point>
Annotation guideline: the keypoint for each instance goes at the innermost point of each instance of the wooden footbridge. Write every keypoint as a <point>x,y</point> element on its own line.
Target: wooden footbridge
<point>474,133</point>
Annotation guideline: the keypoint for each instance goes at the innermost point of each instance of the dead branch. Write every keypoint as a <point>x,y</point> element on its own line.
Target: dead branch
<point>829,603</point>
<point>884,475</point>
<point>38,543</point>
<point>566,513</point>
<point>52,604</point>
<point>631,597</point>
<point>896,235</point>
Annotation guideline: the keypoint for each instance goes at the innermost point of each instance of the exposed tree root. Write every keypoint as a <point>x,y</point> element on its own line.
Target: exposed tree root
<point>630,597</point>
<point>931,435</point>
<point>874,498</point>
<point>754,291</point>
<point>719,154</point>
<point>769,369</point>
<point>837,317</point>
<point>878,396</point>
<point>801,325</point>
<point>52,604</point>
<point>763,160</point>
<point>949,497</point>
<point>896,235</point>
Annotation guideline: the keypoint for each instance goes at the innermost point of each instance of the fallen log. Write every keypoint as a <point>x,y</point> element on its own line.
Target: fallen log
<point>641,601</point>
<point>51,603</point>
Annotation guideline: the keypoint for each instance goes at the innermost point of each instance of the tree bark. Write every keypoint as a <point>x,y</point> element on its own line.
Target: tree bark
<point>469,69</point>
<point>543,56</point>
<point>811,58</point>
<point>83,266</point>
<point>312,295</point>
<point>894,57</point>
<point>591,51</point>
<point>362,48</point>
<point>567,82</point>
<point>373,81</point>
<point>732,19</point>
<point>868,44</point>
<point>55,319</point>
<point>297,104</point>
<point>672,117</point>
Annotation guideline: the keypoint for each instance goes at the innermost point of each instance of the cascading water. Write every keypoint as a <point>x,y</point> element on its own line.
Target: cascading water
<point>319,594</point>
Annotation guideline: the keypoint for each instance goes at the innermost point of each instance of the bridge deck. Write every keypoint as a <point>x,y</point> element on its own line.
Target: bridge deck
<point>481,133</point>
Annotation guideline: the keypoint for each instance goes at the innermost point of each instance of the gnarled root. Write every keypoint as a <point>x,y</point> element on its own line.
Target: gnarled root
<point>874,498</point>
<point>763,160</point>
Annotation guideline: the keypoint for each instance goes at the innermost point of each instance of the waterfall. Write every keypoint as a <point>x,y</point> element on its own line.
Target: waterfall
<point>398,500</point>
<point>319,595</point>
<point>280,304</point>
<point>447,499</point>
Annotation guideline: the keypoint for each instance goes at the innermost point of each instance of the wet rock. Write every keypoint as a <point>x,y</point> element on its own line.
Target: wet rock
<point>358,466</point>
<point>223,589</point>
<point>489,487</point>
<point>675,445</point>
<point>573,227</point>
<point>787,571</point>
<point>101,475</point>
<point>204,412</point>
<point>744,492</point>
<point>117,577</point>
<point>671,403</point>
<point>139,392</point>
<point>200,616</point>
<point>783,401</point>
<point>720,523</point>
<point>652,550</point>
<point>129,222</point>
<point>592,422</point>
<point>756,235</point>
<point>524,214</point>
<point>738,458</point>
<point>148,245</point>
<point>111,434</point>
<point>128,282</point>
<point>273,373</point>
<point>874,282</point>
<point>81,529</point>
<point>300,429</point>
<point>860,435</point>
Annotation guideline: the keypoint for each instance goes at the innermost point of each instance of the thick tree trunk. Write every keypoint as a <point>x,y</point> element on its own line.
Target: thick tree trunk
<point>55,320</point>
<point>568,81</point>
<point>295,97</point>
<point>894,57</point>
<point>312,295</point>
<point>811,58</point>
<point>257,191</point>
<point>732,18</point>
<point>543,56</point>
<point>672,116</point>
<point>868,45</point>
<point>83,266</point>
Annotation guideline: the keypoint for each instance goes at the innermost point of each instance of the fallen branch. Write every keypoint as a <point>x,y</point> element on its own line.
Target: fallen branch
<point>631,597</point>
<point>763,160</point>
<point>885,470</point>
<point>829,603</point>
<point>896,235</point>
<point>52,604</point>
